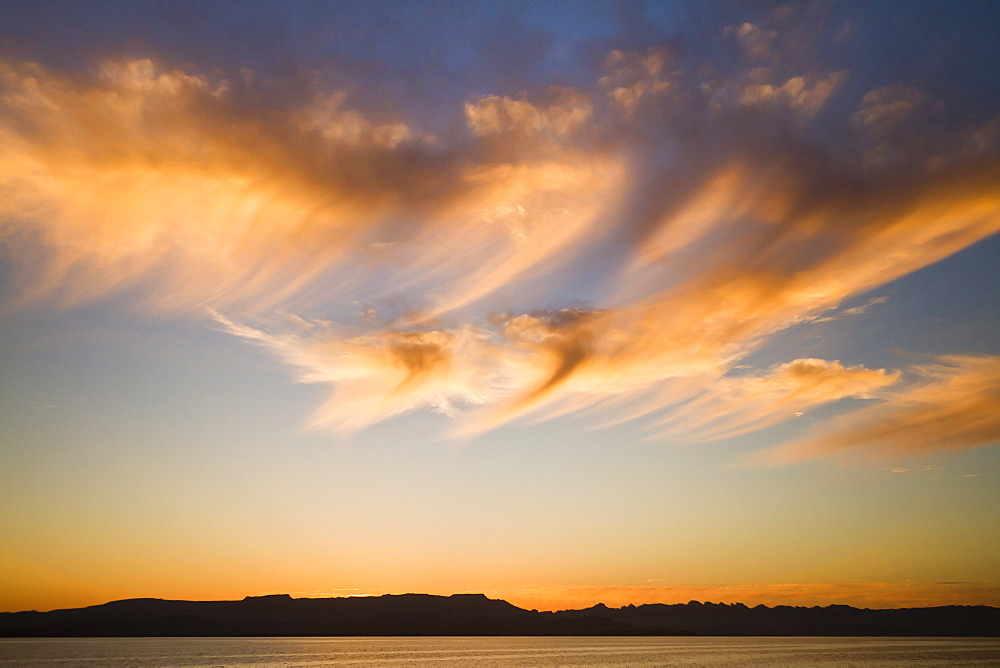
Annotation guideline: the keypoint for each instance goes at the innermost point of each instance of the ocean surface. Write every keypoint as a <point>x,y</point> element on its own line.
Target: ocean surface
<point>500,651</point>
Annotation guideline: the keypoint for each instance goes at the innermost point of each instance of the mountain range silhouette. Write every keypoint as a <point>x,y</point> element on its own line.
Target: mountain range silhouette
<point>475,614</point>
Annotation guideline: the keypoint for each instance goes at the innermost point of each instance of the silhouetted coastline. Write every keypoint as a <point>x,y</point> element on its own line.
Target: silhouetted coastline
<point>475,614</point>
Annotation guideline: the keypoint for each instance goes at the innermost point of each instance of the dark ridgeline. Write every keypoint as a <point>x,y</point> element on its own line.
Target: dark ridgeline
<point>475,614</point>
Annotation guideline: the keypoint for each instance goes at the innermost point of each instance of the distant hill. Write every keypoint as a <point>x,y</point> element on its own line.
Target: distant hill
<point>475,614</point>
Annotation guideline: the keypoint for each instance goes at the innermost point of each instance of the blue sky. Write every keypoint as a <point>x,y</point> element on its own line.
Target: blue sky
<point>561,302</point>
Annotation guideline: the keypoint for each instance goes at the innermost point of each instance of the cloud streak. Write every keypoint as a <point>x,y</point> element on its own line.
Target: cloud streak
<point>951,404</point>
<point>377,374</point>
<point>615,248</point>
<point>165,180</point>
<point>741,404</point>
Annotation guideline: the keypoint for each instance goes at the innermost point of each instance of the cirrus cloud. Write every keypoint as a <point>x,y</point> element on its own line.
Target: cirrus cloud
<point>614,248</point>
<point>950,404</point>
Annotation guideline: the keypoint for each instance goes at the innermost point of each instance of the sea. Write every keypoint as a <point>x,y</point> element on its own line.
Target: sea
<point>501,651</point>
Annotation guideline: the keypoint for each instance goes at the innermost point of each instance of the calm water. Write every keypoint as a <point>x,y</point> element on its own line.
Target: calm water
<point>454,651</point>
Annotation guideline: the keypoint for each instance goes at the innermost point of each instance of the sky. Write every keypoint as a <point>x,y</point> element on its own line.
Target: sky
<point>559,302</point>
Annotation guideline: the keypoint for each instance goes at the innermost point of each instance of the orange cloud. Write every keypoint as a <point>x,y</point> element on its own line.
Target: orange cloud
<point>804,96</point>
<point>740,404</point>
<point>788,258</point>
<point>885,107</point>
<point>952,404</point>
<point>497,114</point>
<point>678,344</point>
<point>520,221</point>
<point>161,179</point>
<point>759,43</point>
<point>146,176</point>
<point>167,184</point>
<point>632,77</point>
<point>379,374</point>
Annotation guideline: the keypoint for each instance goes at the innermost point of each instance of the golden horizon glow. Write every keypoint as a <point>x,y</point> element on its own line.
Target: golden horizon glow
<point>552,598</point>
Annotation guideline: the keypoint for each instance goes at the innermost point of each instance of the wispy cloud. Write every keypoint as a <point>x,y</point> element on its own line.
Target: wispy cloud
<point>171,183</point>
<point>952,404</point>
<point>377,374</point>
<point>741,404</point>
<point>617,248</point>
<point>923,469</point>
<point>856,310</point>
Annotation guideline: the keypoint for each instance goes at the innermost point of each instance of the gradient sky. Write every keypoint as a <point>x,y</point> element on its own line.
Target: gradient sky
<point>560,302</point>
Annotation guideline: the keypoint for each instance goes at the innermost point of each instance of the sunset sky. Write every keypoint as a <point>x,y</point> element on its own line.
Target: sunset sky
<point>560,302</point>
